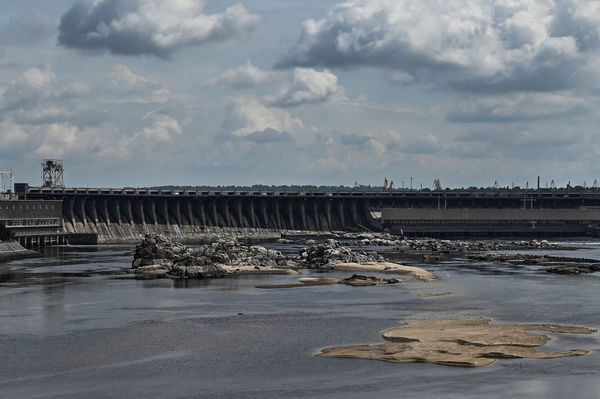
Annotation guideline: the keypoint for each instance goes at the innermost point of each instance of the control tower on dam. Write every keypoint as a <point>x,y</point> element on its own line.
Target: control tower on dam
<point>122,214</point>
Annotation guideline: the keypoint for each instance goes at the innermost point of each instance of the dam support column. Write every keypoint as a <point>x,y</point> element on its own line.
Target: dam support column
<point>82,213</point>
<point>253,214</point>
<point>240,214</point>
<point>265,214</point>
<point>118,211</point>
<point>316,214</point>
<point>190,212</point>
<point>328,207</point>
<point>178,211</point>
<point>278,215</point>
<point>341,210</point>
<point>354,213</point>
<point>165,211</point>
<point>94,211</point>
<point>140,205</point>
<point>228,219</point>
<point>215,213</point>
<point>105,209</point>
<point>153,212</point>
<point>71,205</point>
<point>303,212</point>
<point>203,213</point>
<point>290,213</point>
<point>129,212</point>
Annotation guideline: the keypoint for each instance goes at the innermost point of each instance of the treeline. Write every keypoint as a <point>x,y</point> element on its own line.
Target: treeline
<point>261,187</point>
<point>266,187</point>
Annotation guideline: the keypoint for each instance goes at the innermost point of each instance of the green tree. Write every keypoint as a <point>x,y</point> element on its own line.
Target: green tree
<point>6,234</point>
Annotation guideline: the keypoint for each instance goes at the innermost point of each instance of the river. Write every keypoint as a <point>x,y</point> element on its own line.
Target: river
<point>70,328</point>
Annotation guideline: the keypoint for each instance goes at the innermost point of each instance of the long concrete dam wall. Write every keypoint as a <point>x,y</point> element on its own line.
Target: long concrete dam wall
<point>121,216</point>
<point>127,214</point>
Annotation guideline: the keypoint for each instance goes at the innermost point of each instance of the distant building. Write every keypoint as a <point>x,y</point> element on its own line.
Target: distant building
<point>37,220</point>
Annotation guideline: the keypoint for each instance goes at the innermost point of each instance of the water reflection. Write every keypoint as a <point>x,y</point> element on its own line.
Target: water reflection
<point>54,306</point>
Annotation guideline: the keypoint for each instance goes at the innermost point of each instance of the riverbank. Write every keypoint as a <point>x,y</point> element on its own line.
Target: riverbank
<point>13,250</point>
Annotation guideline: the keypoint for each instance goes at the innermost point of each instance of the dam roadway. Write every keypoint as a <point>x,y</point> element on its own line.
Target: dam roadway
<point>128,213</point>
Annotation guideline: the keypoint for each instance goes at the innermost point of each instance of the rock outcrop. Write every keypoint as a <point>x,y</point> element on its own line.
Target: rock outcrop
<point>157,254</point>
<point>430,244</point>
<point>331,252</point>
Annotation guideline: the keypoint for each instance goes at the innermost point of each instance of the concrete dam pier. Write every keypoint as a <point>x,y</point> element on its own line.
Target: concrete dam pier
<point>128,214</point>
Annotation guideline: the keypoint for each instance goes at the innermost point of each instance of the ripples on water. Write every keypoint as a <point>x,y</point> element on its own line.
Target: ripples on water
<point>72,326</point>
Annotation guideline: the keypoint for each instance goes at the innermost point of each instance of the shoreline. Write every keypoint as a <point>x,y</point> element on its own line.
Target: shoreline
<point>11,250</point>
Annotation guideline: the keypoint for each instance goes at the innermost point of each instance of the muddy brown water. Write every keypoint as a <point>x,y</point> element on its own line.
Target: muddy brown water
<point>72,326</point>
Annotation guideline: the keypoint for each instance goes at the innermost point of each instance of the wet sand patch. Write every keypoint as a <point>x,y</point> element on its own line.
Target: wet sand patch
<point>459,342</point>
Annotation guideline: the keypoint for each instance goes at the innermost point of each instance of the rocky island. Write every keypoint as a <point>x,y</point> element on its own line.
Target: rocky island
<point>158,256</point>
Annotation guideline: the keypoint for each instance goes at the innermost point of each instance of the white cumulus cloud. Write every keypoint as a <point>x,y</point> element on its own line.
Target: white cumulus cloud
<point>476,45</point>
<point>129,87</point>
<point>246,116</point>
<point>308,86</point>
<point>154,27</point>
<point>243,77</point>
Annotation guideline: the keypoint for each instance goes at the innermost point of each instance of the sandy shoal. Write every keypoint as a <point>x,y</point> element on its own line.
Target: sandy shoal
<point>387,267</point>
<point>460,342</point>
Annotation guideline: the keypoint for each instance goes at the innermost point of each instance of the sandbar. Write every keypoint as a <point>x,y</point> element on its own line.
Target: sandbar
<point>387,267</point>
<point>459,342</point>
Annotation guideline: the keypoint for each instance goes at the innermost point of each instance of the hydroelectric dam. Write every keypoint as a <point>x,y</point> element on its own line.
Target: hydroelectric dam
<point>114,215</point>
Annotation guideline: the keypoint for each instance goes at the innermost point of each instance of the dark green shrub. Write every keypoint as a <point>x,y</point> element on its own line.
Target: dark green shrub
<point>6,234</point>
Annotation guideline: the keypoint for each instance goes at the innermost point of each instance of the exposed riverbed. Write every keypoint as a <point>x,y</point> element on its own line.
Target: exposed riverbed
<point>72,325</point>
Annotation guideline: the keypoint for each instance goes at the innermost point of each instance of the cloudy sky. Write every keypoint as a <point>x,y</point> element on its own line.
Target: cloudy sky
<point>152,92</point>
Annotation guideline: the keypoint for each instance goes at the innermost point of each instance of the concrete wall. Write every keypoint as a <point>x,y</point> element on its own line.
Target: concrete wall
<point>492,222</point>
<point>117,218</point>
<point>395,215</point>
<point>127,214</point>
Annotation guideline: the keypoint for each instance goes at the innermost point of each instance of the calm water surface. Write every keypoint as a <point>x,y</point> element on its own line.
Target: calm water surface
<point>70,329</point>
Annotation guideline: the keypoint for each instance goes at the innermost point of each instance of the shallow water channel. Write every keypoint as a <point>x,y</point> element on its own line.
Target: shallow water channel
<point>69,328</point>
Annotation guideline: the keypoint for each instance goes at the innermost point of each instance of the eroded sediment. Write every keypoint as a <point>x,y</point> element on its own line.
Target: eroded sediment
<point>459,342</point>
